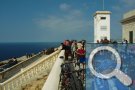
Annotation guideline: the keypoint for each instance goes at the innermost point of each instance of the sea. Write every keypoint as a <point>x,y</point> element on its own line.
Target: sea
<point>10,50</point>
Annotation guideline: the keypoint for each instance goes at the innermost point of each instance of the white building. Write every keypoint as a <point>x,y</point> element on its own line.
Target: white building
<point>128,26</point>
<point>101,25</point>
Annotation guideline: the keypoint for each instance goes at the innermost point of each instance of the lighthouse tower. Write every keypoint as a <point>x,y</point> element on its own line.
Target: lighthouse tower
<point>101,25</point>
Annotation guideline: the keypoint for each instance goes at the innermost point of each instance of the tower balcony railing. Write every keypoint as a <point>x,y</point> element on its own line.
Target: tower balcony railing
<point>31,72</point>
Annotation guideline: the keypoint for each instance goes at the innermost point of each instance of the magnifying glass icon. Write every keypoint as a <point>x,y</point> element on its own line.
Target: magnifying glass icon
<point>121,76</point>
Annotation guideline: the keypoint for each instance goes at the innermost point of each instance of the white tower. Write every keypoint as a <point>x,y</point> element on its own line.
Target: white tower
<point>101,25</point>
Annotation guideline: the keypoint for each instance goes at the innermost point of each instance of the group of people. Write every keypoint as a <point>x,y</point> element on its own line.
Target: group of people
<point>43,52</point>
<point>47,51</point>
<point>74,49</point>
<point>124,41</point>
<point>29,55</point>
<point>104,41</point>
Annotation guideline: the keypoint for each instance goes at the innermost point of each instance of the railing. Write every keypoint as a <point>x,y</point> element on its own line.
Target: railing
<point>9,72</point>
<point>30,73</point>
<point>52,81</point>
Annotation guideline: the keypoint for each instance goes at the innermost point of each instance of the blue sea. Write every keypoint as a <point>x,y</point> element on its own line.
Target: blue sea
<point>10,50</point>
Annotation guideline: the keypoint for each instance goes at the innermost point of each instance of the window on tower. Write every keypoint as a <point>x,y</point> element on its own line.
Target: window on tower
<point>103,28</point>
<point>103,18</point>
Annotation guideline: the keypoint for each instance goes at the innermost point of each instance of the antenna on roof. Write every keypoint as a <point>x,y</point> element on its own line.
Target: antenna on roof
<point>103,5</point>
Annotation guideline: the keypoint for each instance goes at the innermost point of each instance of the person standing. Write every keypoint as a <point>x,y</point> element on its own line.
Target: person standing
<point>67,48</point>
<point>81,56</point>
<point>73,48</point>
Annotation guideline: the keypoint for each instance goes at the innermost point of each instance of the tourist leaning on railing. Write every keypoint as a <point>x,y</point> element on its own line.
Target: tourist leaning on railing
<point>67,48</point>
<point>73,48</point>
<point>81,56</point>
<point>49,51</point>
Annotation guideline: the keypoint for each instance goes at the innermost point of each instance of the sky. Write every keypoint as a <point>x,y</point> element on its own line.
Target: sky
<point>57,20</point>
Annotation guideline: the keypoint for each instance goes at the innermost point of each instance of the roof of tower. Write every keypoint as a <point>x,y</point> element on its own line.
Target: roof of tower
<point>102,12</point>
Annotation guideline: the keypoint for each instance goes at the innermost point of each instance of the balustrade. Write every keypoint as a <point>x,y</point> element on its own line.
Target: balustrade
<point>31,72</point>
